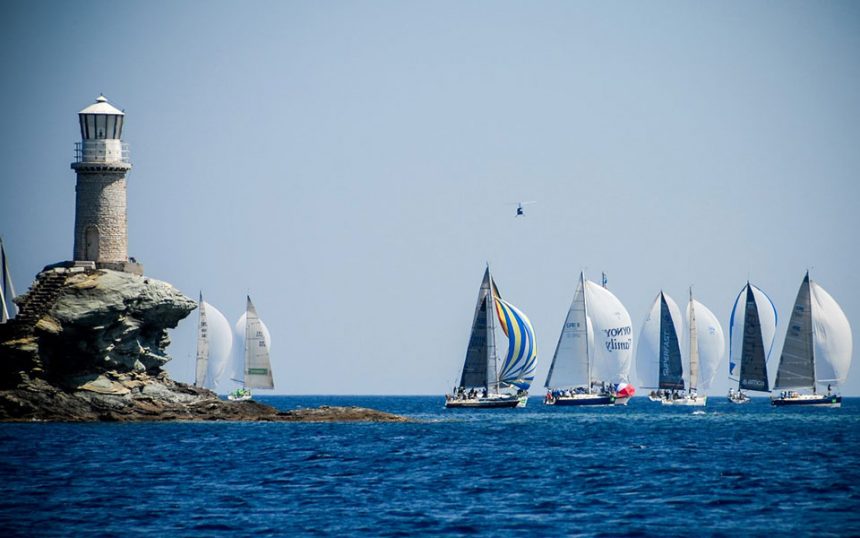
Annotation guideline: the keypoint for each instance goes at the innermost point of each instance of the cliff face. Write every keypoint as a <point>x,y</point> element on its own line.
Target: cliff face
<point>79,322</point>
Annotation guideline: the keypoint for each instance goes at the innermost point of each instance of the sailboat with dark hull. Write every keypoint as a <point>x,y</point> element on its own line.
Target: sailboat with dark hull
<point>817,350</point>
<point>592,359</point>
<point>752,328</point>
<point>484,384</point>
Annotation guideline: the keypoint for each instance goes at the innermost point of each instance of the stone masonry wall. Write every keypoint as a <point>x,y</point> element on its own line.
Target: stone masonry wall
<point>101,202</point>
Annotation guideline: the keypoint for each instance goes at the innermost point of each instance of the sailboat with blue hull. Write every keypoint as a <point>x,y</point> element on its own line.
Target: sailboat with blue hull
<point>484,383</point>
<point>592,359</point>
<point>817,350</point>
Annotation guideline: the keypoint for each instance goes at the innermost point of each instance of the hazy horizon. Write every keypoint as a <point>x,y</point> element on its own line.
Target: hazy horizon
<point>353,165</point>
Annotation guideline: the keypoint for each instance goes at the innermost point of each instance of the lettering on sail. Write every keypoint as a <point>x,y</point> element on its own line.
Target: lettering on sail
<point>618,338</point>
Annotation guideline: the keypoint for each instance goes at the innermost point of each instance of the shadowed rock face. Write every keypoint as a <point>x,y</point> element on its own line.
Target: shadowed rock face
<point>110,321</point>
<point>90,345</point>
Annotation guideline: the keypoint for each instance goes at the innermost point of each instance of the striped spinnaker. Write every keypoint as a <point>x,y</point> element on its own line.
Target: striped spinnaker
<point>519,366</point>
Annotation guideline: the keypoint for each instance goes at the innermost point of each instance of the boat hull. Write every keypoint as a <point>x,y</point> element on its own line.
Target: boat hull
<point>810,400</point>
<point>699,401</point>
<point>486,403</point>
<point>738,401</point>
<point>241,398</point>
<point>581,399</point>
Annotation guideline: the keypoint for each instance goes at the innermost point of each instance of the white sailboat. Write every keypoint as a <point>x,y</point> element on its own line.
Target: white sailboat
<point>594,351</point>
<point>483,382</point>
<point>256,366</point>
<point>705,344</point>
<point>752,331</point>
<point>214,345</point>
<point>817,350</point>
<point>8,308</point>
<point>658,354</point>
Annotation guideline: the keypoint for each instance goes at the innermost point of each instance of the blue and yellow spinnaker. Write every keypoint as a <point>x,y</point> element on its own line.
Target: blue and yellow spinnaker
<point>518,368</point>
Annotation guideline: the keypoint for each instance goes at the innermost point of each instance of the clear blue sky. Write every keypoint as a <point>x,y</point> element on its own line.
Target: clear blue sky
<point>350,164</point>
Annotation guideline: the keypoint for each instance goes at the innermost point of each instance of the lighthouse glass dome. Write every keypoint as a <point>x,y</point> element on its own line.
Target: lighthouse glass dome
<point>101,121</point>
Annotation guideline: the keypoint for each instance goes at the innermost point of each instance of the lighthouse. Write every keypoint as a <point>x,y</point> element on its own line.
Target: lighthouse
<point>101,165</point>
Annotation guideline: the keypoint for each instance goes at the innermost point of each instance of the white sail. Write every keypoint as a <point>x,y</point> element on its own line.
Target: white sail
<point>570,366</point>
<point>239,339</point>
<point>7,288</point>
<point>220,344</point>
<point>767,320</point>
<point>832,340</point>
<point>648,348</point>
<point>611,336</point>
<point>711,343</point>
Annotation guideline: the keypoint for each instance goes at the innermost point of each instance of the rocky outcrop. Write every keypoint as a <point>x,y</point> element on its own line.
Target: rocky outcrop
<point>90,345</point>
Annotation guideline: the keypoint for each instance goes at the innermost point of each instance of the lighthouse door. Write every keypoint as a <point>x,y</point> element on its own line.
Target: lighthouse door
<point>92,243</point>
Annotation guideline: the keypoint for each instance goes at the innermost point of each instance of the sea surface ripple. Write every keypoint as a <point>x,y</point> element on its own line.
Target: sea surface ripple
<point>642,470</point>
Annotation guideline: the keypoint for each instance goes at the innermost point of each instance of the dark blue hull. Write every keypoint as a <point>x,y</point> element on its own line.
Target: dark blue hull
<point>823,401</point>
<point>583,400</point>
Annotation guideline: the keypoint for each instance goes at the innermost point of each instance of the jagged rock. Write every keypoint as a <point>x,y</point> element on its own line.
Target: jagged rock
<point>89,345</point>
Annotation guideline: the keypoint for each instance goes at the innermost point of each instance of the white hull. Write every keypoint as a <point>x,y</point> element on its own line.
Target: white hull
<point>698,401</point>
<point>241,398</point>
<point>493,401</point>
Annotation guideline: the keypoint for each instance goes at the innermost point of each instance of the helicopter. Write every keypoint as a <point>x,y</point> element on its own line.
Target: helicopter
<point>520,209</point>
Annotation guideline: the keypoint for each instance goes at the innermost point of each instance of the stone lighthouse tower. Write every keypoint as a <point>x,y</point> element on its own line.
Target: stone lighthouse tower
<point>101,164</point>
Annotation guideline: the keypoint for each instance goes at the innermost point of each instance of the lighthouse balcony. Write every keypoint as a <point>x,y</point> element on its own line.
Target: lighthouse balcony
<point>101,151</point>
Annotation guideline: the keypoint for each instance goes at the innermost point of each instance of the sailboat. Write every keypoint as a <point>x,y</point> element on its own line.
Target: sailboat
<point>7,289</point>
<point>214,344</point>
<point>817,349</point>
<point>483,383</point>
<point>705,342</point>
<point>594,351</point>
<point>752,331</point>
<point>658,355</point>
<point>256,367</point>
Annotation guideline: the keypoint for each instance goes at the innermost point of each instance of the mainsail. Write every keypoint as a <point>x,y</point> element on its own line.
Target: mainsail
<point>519,366</point>
<point>258,370</point>
<point>797,363</point>
<point>570,363</point>
<point>752,328</point>
<point>479,369</point>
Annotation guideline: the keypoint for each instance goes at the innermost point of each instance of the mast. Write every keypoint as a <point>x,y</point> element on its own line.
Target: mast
<point>694,346</point>
<point>492,359</point>
<point>247,343</point>
<point>585,309</point>
<point>202,345</point>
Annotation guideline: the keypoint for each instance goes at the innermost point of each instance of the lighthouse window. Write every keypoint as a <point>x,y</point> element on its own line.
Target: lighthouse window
<point>111,126</point>
<point>101,125</point>
<point>119,127</point>
<point>91,126</point>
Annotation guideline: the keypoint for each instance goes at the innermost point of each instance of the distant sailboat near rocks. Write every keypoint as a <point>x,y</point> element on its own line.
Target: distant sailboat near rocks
<point>817,350</point>
<point>8,308</point>
<point>256,367</point>
<point>483,383</point>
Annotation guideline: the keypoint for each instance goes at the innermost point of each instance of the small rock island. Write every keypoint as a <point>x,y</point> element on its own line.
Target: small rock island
<point>90,337</point>
<point>90,344</point>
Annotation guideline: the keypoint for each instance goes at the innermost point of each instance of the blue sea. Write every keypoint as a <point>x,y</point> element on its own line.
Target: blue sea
<point>640,470</point>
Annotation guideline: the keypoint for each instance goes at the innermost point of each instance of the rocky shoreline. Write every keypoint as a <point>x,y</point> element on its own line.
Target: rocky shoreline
<point>90,345</point>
